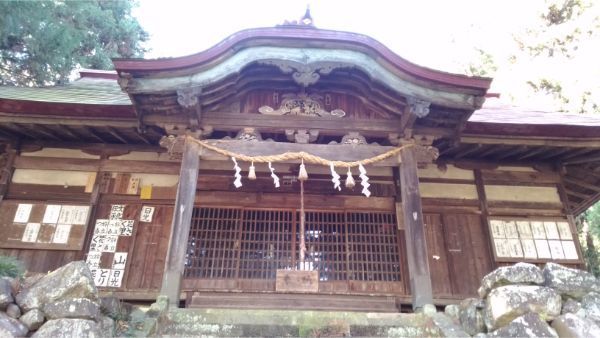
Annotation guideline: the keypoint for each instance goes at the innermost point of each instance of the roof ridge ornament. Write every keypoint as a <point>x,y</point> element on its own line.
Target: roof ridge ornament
<point>306,21</point>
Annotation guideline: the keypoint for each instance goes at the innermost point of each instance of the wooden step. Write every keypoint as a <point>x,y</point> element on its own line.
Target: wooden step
<point>289,301</point>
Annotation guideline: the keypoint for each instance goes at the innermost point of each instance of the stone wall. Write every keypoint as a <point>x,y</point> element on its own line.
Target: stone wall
<point>525,301</point>
<point>62,303</point>
<point>514,301</point>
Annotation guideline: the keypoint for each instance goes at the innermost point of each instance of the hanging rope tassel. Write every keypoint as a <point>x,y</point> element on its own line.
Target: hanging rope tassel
<point>252,172</point>
<point>302,244</point>
<point>238,177</point>
<point>350,183</point>
<point>275,178</point>
<point>335,178</point>
<point>364,180</point>
<point>302,174</point>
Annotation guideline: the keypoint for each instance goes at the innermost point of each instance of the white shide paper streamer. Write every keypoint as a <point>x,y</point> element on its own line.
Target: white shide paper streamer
<point>275,178</point>
<point>238,177</point>
<point>335,178</point>
<point>364,180</point>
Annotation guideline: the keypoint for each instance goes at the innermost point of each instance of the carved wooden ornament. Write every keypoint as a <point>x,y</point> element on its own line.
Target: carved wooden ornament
<point>301,105</point>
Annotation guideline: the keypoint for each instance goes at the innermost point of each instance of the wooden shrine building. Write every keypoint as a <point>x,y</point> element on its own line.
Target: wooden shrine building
<point>133,171</point>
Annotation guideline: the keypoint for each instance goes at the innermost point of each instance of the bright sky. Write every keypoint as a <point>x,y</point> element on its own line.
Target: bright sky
<point>438,34</point>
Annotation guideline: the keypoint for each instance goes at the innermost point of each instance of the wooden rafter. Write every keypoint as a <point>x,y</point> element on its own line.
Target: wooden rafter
<point>115,133</point>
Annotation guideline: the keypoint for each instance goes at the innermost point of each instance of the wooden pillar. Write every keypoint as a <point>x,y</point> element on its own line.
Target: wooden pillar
<point>182,217</point>
<point>483,207</point>
<point>7,160</point>
<point>416,245</point>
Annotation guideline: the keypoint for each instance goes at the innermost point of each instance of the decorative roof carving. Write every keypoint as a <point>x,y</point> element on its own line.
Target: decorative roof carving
<point>305,74</point>
<point>418,107</point>
<point>174,146</point>
<point>301,105</point>
<point>249,134</point>
<point>354,138</point>
<point>302,136</point>
<point>188,97</point>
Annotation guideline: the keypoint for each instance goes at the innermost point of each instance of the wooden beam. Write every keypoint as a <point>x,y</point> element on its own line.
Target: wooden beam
<point>105,165</point>
<point>416,245</point>
<point>69,121</point>
<point>115,133</point>
<point>581,183</point>
<point>532,153</point>
<point>182,218</point>
<point>95,147</point>
<point>515,151</point>
<point>519,177</point>
<point>583,159</point>
<point>94,134</point>
<point>533,141</point>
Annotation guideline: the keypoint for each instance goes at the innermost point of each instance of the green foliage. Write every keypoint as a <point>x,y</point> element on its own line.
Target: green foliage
<point>10,267</point>
<point>41,42</point>
<point>591,218</point>
<point>484,66</point>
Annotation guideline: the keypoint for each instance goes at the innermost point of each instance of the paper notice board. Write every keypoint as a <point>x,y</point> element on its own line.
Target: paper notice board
<point>43,225</point>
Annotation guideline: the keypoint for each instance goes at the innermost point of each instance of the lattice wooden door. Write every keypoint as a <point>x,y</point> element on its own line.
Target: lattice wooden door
<point>242,249</point>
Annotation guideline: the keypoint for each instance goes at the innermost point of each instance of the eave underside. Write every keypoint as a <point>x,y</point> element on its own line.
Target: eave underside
<point>578,159</point>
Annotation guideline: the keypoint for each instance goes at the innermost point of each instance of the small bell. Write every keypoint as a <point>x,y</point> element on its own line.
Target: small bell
<point>350,180</point>
<point>252,172</point>
<point>302,174</point>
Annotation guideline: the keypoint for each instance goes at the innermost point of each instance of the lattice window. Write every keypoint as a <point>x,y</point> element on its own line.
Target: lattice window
<point>373,247</point>
<point>266,243</point>
<point>326,244</point>
<point>254,243</point>
<point>212,248</point>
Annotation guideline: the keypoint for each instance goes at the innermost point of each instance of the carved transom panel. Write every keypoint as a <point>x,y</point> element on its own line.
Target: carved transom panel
<point>302,105</point>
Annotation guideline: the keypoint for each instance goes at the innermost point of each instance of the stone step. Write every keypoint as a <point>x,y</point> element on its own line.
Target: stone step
<point>292,323</point>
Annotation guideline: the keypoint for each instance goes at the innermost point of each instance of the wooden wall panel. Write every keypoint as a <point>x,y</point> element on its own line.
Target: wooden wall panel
<point>438,257</point>
<point>468,256</point>
<point>42,260</point>
<point>149,250</point>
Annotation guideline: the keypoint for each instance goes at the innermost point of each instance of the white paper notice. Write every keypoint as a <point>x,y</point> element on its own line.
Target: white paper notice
<point>31,232</point>
<point>498,229</point>
<point>93,260</point>
<point>551,230</point>
<point>101,227</point>
<point>569,250</point>
<point>116,277</point>
<point>543,251</point>
<point>119,260</point>
<point>529,248</point>
<point>556,250</point>
<point>564,230</point>
<point>126,228</point>
<point>502,248</point>
<point>524,229</point>
<point>114,226</point>
<point>146,214</point>
<point>511,230</point>
<point>61,234</point>
<point>538,230</point>
<point>514,246</point>
<point>101,277</point>
<point>22,213</point>
<point>73,214</point>
<point>51,214</point>
<point>116,211</point>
